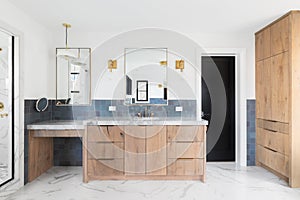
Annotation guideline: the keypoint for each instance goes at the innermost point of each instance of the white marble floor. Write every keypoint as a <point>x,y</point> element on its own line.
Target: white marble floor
<point>224,181</point>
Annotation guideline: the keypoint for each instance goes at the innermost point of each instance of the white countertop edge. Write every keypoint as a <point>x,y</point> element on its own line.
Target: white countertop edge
<point>74,125</point>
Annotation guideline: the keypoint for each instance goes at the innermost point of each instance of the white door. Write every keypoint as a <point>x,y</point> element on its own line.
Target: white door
<point>6,108</point>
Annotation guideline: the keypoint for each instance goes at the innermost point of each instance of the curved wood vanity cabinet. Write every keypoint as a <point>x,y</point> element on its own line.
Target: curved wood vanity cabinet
<point>144,152</point>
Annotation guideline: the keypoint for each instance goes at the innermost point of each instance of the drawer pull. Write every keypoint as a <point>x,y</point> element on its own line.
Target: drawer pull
<point>270,149</point>
<point>105,159</point>
<point>274,131</point>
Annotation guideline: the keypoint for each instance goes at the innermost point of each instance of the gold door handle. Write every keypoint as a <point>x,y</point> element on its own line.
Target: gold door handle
<point>3,115</point>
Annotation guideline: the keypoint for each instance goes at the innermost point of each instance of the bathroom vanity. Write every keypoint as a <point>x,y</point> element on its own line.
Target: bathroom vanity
<point>126,150</point>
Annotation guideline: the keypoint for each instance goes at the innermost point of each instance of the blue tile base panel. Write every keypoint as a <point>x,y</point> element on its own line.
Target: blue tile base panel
<point>251,134</point>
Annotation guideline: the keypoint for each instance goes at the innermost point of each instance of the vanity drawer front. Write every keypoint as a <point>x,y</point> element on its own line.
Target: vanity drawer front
<point>187,167</point>
<point>112,167</point>
<point>107,150</point>
<point>185,150</point>
<point>105,133</point>
<point>274,140</point>
<point>273,160</point>
<point>185,133</point>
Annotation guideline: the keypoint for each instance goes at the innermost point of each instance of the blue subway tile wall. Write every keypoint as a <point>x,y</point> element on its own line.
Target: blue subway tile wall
<point>67,151</point>
<point>251,134</point>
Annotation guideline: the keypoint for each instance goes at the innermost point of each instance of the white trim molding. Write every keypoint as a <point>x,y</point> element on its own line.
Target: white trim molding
<point>18,180</point>
<point>240,97</point>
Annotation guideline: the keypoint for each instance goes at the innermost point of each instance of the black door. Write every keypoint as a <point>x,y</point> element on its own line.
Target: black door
<point>224,150</point>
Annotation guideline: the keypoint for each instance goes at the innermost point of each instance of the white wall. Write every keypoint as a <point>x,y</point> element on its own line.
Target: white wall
<point>95,39</point>
<point>37,52</point>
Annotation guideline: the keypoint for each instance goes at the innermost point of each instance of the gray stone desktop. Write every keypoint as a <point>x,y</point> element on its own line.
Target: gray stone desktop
<point>251,134</point>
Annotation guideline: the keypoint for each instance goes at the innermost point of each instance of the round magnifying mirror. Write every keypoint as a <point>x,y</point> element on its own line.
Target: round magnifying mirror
<point>41,104</point>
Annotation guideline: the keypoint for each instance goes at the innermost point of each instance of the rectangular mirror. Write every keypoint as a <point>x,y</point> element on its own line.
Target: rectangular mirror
<point>146,76</point>
<point>73,74</point>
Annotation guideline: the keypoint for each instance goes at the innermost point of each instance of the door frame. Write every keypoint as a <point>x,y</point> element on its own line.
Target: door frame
<point>240,98</point>
<point>12,85</point>
<point>18,180</point>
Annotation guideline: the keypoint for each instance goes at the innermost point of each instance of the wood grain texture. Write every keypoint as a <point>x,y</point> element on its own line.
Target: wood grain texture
<point>145,150</point>
<point>58,133</point>
<point>273,125</point>
<point>105,150</point>
<point>294,100</point>
<point>135,150</point>
<point>259,89</point>
<point>185,133</point>
<point>112,167</point>
<point>263,44</point>
<point>40,157</point>
<point>280,36</point>
<point>273,140</point>
<point>156,149</point>
<point>263,89</point>
<point>85,175</point>
<point>277,137</point>
<point>181,167</point>
<point>273,160</point>
<point>186,150</point>
<point>280,87</point>
<point>106,133</point>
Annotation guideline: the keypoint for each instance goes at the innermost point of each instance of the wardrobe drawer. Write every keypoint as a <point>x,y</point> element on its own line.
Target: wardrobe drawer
<point>274,140</point>
<point>185,150</point>
<point>273,125</point>
<point>185,167</point>
<point>273,160</point>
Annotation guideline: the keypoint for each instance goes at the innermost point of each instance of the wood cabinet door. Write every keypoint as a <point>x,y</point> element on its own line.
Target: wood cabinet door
<point>156,153</point>
<point>135,150</point>
<point>264,89</point>
<point>280,36</point>
<point>280,87</point>
<point>262,44</point>
<point>259,89</point>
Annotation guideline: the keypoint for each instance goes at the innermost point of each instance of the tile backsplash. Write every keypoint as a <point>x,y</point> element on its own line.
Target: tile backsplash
<point>251,134</point>
<point>100,108</point>
<point>67,151</point>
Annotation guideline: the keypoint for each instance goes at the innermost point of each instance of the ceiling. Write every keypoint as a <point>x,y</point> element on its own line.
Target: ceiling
<point>207,16</point>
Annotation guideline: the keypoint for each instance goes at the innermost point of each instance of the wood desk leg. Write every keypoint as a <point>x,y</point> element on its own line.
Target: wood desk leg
<point>40,157</point>
<point>84,156</point>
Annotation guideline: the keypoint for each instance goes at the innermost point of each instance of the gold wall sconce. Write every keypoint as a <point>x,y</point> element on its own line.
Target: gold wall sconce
<point>112,64</point>
<point>1,106</point>
<point>163,63</point>
<point>179,65</point>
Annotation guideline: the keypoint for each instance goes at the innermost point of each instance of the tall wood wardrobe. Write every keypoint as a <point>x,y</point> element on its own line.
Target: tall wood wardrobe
<point>277,52</point>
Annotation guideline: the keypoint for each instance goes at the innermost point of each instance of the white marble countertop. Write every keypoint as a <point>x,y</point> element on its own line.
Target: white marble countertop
<point>57,125</point>
<point>70,125</point>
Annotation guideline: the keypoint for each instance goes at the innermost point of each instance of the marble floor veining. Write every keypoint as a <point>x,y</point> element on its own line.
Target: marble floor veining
<point>224,182</point>
<point>3,172</point>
